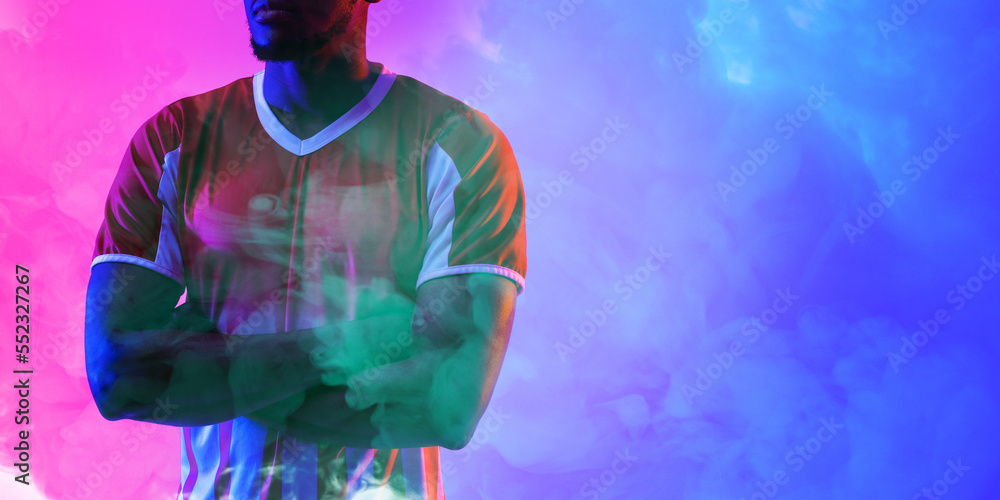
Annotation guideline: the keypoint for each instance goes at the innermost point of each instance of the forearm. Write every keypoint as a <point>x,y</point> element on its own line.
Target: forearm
<point>323,416</point>
<point>417,402</point>
<point>178,377</point>
<point>417,382</point>
<point>320,413</point>
<point>428,400</point>
<point>368,345</point>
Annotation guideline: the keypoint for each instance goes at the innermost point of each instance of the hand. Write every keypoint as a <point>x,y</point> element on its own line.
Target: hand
<point>416,400</point>
<point>379,334</point>
<point>352,347</point>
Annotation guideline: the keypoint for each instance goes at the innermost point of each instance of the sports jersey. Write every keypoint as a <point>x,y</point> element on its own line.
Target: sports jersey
<point>272,233</point>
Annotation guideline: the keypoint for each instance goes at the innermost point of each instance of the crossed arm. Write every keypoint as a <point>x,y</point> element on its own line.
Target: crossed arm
<point>402,375</point>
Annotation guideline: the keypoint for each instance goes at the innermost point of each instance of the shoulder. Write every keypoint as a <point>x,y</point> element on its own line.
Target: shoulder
<point>196,110</point>
<point>449,118</point>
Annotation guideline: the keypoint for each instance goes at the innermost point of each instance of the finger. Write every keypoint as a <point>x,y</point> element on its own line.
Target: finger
<point>403,382</point>
<point>330,361</point>
<point>334,377</point>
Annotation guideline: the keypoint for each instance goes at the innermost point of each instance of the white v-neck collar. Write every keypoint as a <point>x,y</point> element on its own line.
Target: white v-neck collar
<point>302,147</point>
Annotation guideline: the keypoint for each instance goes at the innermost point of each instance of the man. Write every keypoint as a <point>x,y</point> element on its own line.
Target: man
<point>351,242</point>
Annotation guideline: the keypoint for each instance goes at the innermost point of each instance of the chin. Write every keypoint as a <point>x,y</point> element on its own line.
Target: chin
<point>277,50</point>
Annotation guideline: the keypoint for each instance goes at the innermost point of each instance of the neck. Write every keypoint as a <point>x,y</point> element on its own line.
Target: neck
<point>325,82</point>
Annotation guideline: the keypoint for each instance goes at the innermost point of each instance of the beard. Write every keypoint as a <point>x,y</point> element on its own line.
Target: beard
<point>303,47</point>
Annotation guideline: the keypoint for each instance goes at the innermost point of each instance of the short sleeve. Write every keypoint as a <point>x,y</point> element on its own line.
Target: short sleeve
<point>140,213</point>
<point>475,200</point>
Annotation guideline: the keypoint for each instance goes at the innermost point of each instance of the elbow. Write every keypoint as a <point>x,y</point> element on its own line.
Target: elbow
<point>455,418</point>
<point>456,432</point>
<point>101,388</point>
<point>435,429</point>
<point>104,373</point>
<point>102,377</point>
<point>110,412</point>
<point>455,440</point>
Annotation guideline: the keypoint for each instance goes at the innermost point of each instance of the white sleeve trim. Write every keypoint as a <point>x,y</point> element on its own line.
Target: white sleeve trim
<point>473,268</point>
<point>442,180</point>
<point>139,261</point>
